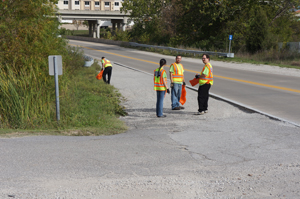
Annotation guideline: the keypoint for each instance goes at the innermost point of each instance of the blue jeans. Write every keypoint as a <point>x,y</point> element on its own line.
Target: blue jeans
<point>175,95</point>
<point>160,102</point>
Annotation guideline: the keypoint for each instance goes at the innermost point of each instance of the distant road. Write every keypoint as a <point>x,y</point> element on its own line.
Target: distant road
<point>277,95</point>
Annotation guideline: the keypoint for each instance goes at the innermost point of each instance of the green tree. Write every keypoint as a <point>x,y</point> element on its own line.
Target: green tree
<point>259,33</point>
<point>146,16</point>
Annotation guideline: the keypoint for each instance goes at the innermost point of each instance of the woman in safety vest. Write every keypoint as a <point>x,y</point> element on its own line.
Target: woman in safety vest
<point>160,86</point>
<point>205,82</point>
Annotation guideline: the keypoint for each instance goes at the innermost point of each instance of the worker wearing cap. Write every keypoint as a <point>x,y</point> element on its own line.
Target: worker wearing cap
<point>107,67</point>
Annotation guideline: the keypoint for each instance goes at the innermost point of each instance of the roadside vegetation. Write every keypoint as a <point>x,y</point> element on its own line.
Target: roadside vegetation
<point>257,28</point>
<point>28,35</point>
<point>255,25</point>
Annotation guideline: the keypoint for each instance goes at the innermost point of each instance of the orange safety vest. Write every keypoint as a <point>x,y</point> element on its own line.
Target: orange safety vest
<point>107,63</point>
<point>178,73</point>
<point>158,81</point>
<point>209,78</point>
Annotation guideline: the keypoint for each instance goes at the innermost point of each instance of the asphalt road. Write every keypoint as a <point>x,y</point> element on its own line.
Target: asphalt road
<point>276,94</point>
<point>225,153</point>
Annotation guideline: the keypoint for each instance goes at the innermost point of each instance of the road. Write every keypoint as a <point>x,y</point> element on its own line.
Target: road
<point>276,94</point>
<point>226,153</point>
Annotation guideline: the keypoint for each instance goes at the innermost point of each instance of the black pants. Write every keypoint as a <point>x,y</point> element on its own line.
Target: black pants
<point>107,71</point>
<point>203,94</point>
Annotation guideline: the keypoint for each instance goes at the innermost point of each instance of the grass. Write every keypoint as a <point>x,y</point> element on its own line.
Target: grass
<point>84,33</point>
<point>87,107</point>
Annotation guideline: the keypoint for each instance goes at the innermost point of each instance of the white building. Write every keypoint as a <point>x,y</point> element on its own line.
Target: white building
<point>101,5</point>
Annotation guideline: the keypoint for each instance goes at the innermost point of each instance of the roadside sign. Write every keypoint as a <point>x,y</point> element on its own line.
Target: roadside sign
<point>55,69</point>
<point>230,37</point>
<point>58,64</point>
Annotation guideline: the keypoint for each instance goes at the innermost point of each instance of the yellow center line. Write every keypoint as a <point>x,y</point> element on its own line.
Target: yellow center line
<point>228,78</point>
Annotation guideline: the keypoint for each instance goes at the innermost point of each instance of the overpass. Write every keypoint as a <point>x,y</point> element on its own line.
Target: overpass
<point>94,19</point>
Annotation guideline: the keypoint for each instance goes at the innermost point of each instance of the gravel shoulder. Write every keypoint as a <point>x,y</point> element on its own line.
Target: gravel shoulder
<point>226,153</point>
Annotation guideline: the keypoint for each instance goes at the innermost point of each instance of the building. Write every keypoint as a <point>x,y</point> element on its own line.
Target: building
<point>101,5</point>
<point>98,13</point>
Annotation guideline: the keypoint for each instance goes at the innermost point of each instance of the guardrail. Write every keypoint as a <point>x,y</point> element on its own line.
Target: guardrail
<point>107,41</point>
<point>194,52</point>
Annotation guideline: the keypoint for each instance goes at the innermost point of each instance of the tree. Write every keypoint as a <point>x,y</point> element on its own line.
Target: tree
<point>258,31</point>
<point>77,23</point>
<point>146,16</point>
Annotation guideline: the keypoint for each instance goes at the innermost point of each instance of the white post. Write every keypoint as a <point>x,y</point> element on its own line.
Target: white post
<point>124,24</point>
<point>98,28</point>
<point>56,89</point>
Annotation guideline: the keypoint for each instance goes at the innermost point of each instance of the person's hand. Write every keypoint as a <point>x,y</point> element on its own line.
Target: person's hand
<point>168,91</point>
<point>184,83</point>
<point>172,85</point>
<point>197,76</point>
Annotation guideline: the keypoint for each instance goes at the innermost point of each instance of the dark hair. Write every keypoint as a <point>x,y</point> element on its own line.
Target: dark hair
<point>162,62</point>
<point>207,56</point>
<point>178,56</point>
<point>102,57</point>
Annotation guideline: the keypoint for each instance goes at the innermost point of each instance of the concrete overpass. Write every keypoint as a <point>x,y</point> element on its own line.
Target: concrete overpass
<point>94,18</point>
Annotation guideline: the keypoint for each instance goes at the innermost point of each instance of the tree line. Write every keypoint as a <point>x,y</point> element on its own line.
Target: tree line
<point>256,25</point>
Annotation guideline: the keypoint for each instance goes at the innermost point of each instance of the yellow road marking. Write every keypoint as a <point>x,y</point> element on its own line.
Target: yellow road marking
<point>228,78</point>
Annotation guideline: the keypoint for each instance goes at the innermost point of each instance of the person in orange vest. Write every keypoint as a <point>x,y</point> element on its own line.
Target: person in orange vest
<point>177,79</point>
<point>160,86</point>
<point>107,67</point>
<point>205,82</point>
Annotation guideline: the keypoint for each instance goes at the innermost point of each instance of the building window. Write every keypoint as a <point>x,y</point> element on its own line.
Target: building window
<point>66,2</point>
<point>97,3</point>
<point>116,3</point>
<point>87,3</point>
<point>77,3</point>
<point>106,4</point>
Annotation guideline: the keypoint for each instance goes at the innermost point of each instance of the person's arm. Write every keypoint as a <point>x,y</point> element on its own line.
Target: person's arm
<point>203,75</point>
<point>102,64</point>
<point>171,77</point>
<point>165,83</point>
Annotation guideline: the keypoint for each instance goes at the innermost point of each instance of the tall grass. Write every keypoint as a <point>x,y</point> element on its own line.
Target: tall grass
<point>24,97</point>
<point>87,106</point>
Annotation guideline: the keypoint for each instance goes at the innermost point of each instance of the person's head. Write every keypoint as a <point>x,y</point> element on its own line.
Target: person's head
<point>162,62</point>
<point>103,58</point>
<point>178,59</point>
<point>205,58</point>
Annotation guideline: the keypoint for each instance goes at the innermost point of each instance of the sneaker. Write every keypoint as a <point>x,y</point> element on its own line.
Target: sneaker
<point>176,108</point>
<point>181,107</point>
<point>200,113</point>
<point>206,111</point>
<point>162,116</point>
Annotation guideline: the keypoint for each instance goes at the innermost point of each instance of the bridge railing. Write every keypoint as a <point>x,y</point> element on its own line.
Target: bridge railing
<point>133,44</point>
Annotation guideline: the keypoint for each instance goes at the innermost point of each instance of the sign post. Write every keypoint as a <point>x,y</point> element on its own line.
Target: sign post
<point>55,68</point>
<point>230,38</point>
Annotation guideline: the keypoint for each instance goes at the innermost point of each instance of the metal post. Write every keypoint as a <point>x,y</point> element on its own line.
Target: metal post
<point>229,45</point>
<point>56,89</point>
